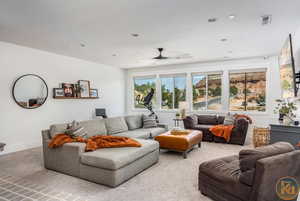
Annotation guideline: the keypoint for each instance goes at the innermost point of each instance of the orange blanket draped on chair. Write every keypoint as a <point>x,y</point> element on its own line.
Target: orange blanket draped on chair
<point>223,131</point>
<point>95,142</point>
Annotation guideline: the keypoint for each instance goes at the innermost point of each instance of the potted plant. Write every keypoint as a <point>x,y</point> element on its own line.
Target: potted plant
<point>286,110</point>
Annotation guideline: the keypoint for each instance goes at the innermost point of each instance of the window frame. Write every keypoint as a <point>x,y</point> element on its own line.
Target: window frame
<point>173,76</point>
<point>152,76</point>
<point>245,71</point>
<point>207,74</point>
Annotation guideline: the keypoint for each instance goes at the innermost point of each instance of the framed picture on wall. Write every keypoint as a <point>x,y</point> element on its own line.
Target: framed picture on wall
<point>94,93</point>
<point>58,92</point>
<point>84,88</point>
<point>68,89</point>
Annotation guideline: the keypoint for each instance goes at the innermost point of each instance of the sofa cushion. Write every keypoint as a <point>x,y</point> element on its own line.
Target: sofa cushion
<point>116,158</point>
<point>138,133</point>
<point>142,133</point>
<point>208,119</point>
<point>116,125</point>
<point>224,174</point>
<point>249,157</point>
<point>221,119</point>
<point>94,127</point>
<point>155,131</point>
<point>229,120</point>
<point>134,121</point>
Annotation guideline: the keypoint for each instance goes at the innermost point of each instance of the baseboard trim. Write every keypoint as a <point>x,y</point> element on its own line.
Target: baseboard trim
<point>11,148</point>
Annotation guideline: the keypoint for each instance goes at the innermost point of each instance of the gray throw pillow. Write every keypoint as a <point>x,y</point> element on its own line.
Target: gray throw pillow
<point>194,118</point>
<point>76,130</point>
<point>149,121</point>
<point>229,120</point>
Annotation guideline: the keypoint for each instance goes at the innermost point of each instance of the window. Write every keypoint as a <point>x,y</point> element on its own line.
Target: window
<point>142,86</point>
<point>173,91</point>
<point>248,91</point>
<point>207,92</point>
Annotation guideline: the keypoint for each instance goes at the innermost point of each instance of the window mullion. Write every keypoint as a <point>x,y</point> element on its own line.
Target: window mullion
<point>245,91</point>
<point>206,96</point>
<point>173,93</point>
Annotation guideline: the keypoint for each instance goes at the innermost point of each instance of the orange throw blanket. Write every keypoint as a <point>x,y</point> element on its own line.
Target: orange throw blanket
<point>223,131</point>
<point>95,142</point>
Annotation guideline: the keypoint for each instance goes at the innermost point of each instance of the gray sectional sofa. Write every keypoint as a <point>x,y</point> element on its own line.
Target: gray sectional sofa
<point>109,166</point>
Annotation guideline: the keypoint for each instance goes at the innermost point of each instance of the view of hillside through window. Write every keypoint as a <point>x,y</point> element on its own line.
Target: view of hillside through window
<point>248,91</point>
<point>142,86</point>
<point>207,92</point>
<point>173,91</point>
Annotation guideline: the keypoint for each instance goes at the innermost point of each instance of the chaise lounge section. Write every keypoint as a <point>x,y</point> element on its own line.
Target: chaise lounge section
<point>109,166</point>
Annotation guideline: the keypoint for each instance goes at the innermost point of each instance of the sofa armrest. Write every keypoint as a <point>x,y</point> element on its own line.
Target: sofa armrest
<point>268,172</point>
<point>239,131</point>
<point>165,126</point>
<point>188,123</point>
<point>64,159</point>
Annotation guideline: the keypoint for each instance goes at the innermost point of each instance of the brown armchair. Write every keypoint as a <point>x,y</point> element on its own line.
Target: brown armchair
<point>250,176</point>
<point>205,122</point>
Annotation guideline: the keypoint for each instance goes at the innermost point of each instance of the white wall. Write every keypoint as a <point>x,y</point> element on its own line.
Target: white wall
<point>21,128</point>
<point>260,119</point>
<point>296,48</point>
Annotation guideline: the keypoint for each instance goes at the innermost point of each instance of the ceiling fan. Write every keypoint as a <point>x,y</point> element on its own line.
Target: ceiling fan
<point>161,57</point>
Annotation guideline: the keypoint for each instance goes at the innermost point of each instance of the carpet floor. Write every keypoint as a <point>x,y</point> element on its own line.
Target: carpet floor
<point>171,179</point>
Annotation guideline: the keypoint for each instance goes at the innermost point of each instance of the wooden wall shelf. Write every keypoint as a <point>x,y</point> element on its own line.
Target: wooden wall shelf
<point>76,97</point>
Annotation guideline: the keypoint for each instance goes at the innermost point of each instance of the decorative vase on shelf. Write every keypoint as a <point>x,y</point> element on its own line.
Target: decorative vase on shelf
<point>287,120</point>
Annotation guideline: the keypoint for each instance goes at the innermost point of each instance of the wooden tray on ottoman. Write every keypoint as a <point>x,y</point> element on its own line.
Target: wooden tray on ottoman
<point>180,143</point>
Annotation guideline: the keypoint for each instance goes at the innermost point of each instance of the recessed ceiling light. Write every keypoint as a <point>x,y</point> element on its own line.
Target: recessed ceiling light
<point>266,19</point>
<point>211,20</point>
<point>224,39</point>
<point>135,35</point>
<point>82,44</point>
<point>231,17</point>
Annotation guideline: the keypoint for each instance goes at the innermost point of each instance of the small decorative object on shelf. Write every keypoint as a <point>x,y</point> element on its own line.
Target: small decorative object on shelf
<point>286,110</point>
<point>93,93</point>
<point>261,136</point>
<point>68,89</point>
<point>80,90</point>
<point>77,90</point>
<point>58,92</point>
<point>84,88</point>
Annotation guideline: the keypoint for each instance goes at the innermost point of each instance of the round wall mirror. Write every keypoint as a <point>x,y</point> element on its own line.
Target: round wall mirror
<point>30,91</point>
